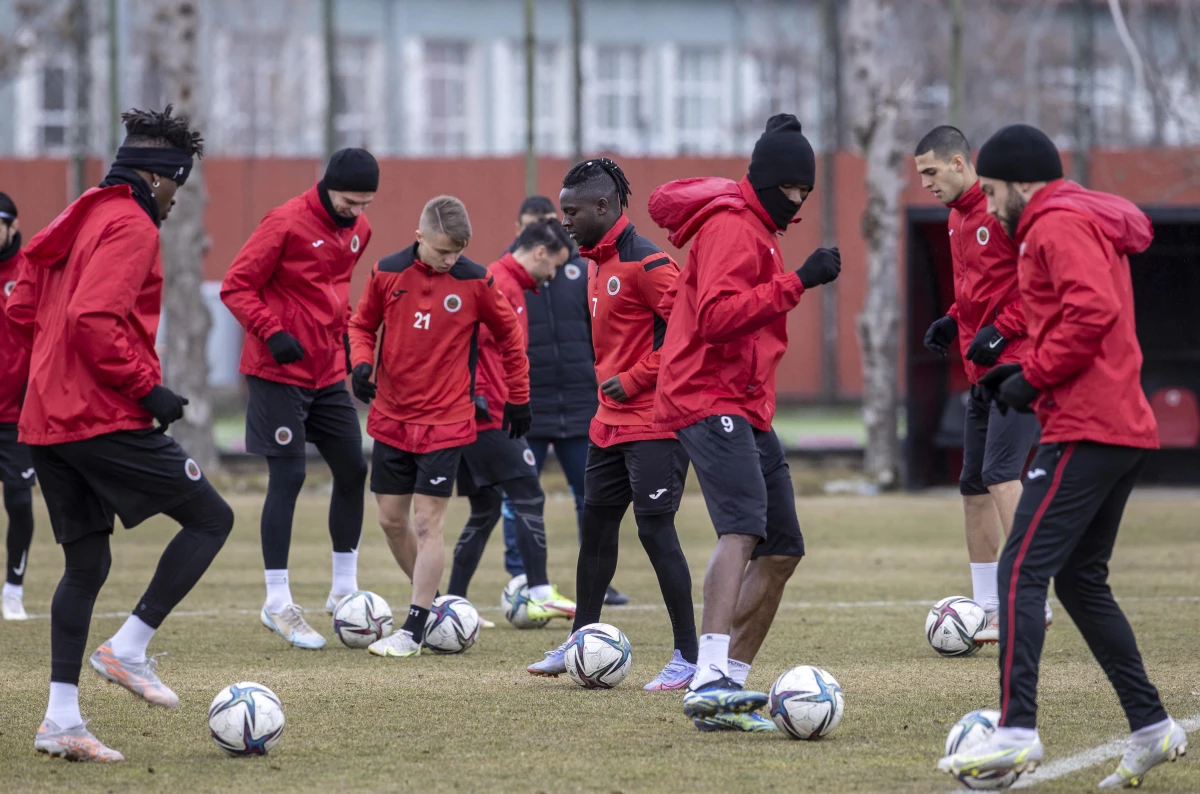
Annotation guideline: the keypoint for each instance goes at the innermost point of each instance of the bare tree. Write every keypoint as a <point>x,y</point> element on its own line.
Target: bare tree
<point>877,96</point>
<point>185,241</point>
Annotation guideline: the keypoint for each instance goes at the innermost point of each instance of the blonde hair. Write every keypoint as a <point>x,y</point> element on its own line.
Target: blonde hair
<point>447,215</point>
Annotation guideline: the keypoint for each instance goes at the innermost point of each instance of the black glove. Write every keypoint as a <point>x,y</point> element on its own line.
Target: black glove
<point>986,346</point>
<point>284,347</point>
<point>164,405</point>
<point>1006,386</point>
<point>346,341</point>
<point>822,266</point>
<point>939,336</point>
<point>360,382</point>
<point>518,418</point>
<point>482,414</point>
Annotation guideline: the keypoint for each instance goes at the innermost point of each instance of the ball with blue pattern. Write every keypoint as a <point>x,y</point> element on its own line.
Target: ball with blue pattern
<point>806,702</point>
<point>246,719</point>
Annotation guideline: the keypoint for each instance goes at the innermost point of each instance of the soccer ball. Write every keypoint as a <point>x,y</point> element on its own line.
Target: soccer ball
<point>452,625</point>
<point>806,702</point>
<point>598,656</point>
<point>246,719</point>
<point>361,618</point>
<point>952,625</point>
<point>514,600</point>
<point>967,734</point>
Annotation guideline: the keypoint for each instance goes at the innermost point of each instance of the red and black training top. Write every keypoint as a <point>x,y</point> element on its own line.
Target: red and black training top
<point>14,348</point>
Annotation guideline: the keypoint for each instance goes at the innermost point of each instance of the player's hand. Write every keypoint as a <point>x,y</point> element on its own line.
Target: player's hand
<point>986,347</point>
<point>360,383</point>
<point>285,348</point>
<point>482,414</point>
<point>164,405</point>
<point>822,266</point>
<point>518,418</point>
<point>613,389</point>
<point>1006,386</point>
<point>939,336</point>
<point>346,342</point>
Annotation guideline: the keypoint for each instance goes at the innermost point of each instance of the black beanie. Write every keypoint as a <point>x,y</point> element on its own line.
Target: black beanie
<point>352,170</point>
<point>1020,153</point>
<point>782,155</point>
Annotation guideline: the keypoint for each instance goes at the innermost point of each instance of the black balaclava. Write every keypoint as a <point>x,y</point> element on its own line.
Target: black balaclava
<point>8,214</point>
<point>782,156</point>
<point>350,170</point>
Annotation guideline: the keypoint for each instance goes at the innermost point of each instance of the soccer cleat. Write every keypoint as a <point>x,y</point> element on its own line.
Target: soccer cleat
<point>1049,614</point>
<point>401,644</point>
<point>12,608</point>
<point>1140,758</point>
<point>991,630</point>
<point>484,623</point>
<point>553,606</point>
<point>676,675</point>
<point>290,625</point>
<point>332,601</point>
<point>73,744</point>
<point>994,755</point>
<point>721,696</point>
<point>614,597</point>
<point>553,665</point>
<point>140,678</point>
<point>747,723</point>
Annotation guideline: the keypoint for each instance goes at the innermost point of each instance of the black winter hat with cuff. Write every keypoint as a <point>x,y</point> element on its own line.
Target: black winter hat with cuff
<point>1020,153</point>
<point>352,171</point>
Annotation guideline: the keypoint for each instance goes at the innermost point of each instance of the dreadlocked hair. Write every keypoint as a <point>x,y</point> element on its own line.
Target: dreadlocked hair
<point>600,173</point>
<point>154,130</point>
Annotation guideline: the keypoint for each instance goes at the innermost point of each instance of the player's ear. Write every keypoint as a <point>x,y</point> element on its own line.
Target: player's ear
<point>602,207</point>
<point>419,238</point>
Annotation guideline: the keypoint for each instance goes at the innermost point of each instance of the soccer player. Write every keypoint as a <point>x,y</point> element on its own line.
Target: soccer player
<point>290,288</point>
<point>16,467</point>
<point>726,334</point>
<point>495,464</point>
<point>987,319</point>
<point>1081,373</point>
<point>423,306</point>
<point>93,280</point>
<point>630,459</point>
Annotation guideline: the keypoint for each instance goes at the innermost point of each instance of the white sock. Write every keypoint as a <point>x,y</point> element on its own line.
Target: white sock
<point>13,590</point>
<point>345,572</point>
<point>132,639</point>
<point>540,592</point>
<point>713,659</point>
<point>983,580</point>
<point>279,595</point>
<point>63,710</point>
<point>739,672</point>
<point>1155,731</point>
<point>1014,736</point>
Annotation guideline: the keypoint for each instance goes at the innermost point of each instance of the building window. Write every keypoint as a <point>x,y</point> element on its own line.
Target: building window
<point>620,124</point>
<point>698,100</point>
<point>351,102</point>
<point>249,91</point>
<point>55,101</point>
<point>446,96</point>
<point>546,75</point>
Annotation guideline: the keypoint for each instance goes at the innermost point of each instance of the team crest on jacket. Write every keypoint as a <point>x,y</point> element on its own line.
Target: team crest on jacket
<point>354,244</point>
<point>614,285</point>
<point>283,436</point>
<point>981,234</point>
<point>192,470</point>
<point>528,456</point>
<point>11,285</point>
<point>452,303</point>
<point>572,271</point>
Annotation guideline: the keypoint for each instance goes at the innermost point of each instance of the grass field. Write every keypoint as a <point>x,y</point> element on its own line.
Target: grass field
<point>477,722</point>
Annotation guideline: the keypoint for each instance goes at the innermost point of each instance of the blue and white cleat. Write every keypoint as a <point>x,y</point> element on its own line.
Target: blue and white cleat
<point>553,665</point>
<point>721,696</point>
<point>676,675</point>
<point>290,625</point>
<point>1141,757</point>
<point>750,722</point>
<point>332,601</point>
<point>996,754</point>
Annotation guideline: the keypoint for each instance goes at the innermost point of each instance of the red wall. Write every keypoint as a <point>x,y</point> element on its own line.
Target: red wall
<point>241,191</point>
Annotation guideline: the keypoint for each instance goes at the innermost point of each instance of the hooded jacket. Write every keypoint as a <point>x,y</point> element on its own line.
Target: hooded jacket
<point>510,280</point>
<point>1084,356</point>
<point>14,347</point>
<point>727,313</point>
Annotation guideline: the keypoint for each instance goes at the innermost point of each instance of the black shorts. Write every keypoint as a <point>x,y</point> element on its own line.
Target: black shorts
<point>132,473</point>
<point>649,473</point>
<point>396,472</point>
<point>494,458</point>
<point>746,482</point>
<point>995,445</point>
<point>281,418</point>
<point>16,466</point>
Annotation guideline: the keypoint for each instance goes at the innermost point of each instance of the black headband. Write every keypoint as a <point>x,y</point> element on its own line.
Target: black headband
<point>171,163</point>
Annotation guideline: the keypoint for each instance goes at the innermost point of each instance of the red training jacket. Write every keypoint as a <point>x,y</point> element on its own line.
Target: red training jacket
<point>426,326</point>
<point>727,329</point>
<point>627,280</point>
<point>1084,357</point>
<point>985,279</point>
<point>89,296</point>
<point>511,281</point>
<point>293,275</point>
<point>14,349</point>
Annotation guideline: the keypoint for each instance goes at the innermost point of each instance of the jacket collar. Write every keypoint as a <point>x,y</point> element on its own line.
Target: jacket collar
<point>751,197</point>
<point>510,265</point>
<point>1034,208</point>
<point>312,200</point>
<point>969,200</point>
<point>606,249</point>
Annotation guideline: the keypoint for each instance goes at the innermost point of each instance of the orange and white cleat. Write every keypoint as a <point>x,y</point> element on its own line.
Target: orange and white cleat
<point>139,678</point>
<point>73,744</point>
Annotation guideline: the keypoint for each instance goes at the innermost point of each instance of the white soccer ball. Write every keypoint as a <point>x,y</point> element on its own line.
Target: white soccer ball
<point>952,625</point>
<point>361,618</point>
<point>452,625</point>
<point>598,656</point>
<point>806,702</point>
<point>967,734</point>
<point>514,599</point>
<point>246,719</point>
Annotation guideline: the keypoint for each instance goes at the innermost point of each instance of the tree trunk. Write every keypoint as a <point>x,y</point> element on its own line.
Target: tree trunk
<point>185,241</point>
<point>81,81</point>
<point>832,136</point>
<point>877,102</point>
